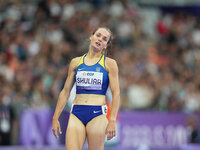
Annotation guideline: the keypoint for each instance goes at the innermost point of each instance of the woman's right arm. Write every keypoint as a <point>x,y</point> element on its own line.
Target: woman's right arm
<point>64,95</point>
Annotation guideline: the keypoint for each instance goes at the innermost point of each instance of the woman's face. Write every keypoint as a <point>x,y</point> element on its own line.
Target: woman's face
<point>99,40</point>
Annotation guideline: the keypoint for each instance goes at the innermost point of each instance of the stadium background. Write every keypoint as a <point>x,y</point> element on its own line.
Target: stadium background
<point>156,45</point>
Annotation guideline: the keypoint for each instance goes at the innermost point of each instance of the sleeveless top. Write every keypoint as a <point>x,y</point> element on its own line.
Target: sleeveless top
<point>91,79</point>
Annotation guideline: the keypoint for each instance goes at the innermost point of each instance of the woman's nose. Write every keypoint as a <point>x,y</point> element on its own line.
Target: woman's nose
<point>99,40</point>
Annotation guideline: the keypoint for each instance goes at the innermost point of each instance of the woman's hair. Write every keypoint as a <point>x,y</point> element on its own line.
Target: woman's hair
<point>109,43</point>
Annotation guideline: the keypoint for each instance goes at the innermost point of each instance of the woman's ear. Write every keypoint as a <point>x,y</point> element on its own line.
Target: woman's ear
<point>90,37</point>
<point>106,46</point>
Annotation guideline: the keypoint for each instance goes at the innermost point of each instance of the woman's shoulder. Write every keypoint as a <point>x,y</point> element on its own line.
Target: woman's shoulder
<point>110,62</point>
<point>75,61</point>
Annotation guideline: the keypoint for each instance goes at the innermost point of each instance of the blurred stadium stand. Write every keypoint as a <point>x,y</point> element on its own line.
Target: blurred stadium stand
<point>156,46</point>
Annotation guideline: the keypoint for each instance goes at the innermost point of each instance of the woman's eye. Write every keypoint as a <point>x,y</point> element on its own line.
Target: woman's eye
<point>105,39</point>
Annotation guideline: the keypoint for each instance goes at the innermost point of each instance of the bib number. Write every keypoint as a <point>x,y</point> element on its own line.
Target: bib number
<point>89,80</point>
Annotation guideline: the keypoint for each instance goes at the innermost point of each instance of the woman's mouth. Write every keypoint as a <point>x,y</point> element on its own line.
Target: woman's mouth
<point>98,44</point>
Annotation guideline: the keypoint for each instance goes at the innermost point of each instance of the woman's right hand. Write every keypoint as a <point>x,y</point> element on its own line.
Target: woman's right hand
<point>56,127</point>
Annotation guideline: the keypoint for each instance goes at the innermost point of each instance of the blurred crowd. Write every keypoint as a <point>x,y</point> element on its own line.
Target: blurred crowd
<point>158,53</point>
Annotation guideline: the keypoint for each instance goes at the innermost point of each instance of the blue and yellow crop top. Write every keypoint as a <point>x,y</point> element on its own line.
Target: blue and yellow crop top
<point>91,79</point>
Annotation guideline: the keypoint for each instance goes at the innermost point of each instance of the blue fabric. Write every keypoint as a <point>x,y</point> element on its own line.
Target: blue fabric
<point>93,68</point>
<point>86,113</point>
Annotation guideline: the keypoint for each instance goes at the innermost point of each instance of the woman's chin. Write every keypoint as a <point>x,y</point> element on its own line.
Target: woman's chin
<point>96,49</point>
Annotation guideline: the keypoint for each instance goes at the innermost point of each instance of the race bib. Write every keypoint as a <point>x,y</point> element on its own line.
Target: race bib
<point>89,80</point>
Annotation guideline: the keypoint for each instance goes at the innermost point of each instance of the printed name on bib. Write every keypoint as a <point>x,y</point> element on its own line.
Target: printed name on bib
<point>89,80</point>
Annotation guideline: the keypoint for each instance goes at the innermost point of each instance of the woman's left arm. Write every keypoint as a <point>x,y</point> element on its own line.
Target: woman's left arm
<point>112,69</point>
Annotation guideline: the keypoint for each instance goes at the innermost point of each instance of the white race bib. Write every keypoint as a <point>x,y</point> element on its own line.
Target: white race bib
<point>89,80</point>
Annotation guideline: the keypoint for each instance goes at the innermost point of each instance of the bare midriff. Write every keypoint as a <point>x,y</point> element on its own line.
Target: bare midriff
<point>89,99</point>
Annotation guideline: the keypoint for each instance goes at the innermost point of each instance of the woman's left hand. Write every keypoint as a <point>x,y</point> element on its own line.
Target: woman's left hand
<point>111,130</point>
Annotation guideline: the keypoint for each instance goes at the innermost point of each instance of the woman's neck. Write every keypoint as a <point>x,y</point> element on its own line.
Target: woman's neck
<point>93,54</point>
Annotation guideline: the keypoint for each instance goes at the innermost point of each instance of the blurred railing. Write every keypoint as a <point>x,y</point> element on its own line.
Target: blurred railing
<point>187,147</point>
<point>135,130</point>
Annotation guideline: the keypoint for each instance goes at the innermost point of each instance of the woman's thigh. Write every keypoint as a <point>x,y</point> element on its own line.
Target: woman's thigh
<point>95,130</point>
<point>75,134</point>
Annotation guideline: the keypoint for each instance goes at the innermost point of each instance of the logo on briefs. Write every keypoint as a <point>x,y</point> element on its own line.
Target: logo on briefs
<point>96,111</point>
